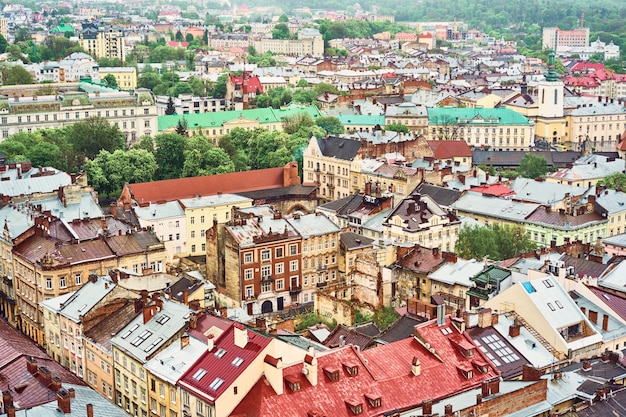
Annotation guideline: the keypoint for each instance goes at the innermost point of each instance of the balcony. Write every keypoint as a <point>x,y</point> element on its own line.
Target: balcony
<point>322,284</point>
<point>267,278</point>
<point>295,290</point>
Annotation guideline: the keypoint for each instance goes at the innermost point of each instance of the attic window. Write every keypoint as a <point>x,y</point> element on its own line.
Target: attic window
<point>374,400</point>
<point>292,383</point>
<point>467,374</point>
<point>132,329</point>
<point>163,319</point>
<point>220,353</point>
<point>558,304</point>
<point>481,366</point>
<point>199,374</point>
<point>217,382</point>
<point>551,307</point>
<point>548,283</point>
<point>237,361</point>
<point>153,344</point>
<point>351,369</point>
<point>332,374</point>
<point>446,330</point>
<point>355,407</point>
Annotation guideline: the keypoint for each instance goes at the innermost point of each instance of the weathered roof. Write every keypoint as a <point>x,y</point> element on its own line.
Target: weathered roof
<point>445,197</point>
<point>339,148</point>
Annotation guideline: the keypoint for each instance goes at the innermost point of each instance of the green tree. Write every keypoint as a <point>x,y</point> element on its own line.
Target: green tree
<point>149,80</point>
<point>182,88</point>
<point>181,127</point>
<point>108,172</point>
<point>613,181</point>
<point>169,155</point>
<point>281,31</point>
<point>3,44</point>
<point>330,124</point>
<point>45,154</point>
<point>495,242</point>
<point>179,36</point>
<point>110,80</point>
<point>189,37</point>
<point>283,18</point>
<point>170,109</point>
<point>219,89</point>
<point>397,127</point>
<point>146,142</point>
<point>533,166</point>
<point>90,136</point>
<point>16,75</point>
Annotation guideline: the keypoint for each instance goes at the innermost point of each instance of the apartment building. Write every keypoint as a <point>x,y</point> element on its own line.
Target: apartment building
<point>126,77</point>
<point>157,325</point>
<point>309,42</point>
<point>134,113</point>
<point>557,39</point>
<point>103,42</point>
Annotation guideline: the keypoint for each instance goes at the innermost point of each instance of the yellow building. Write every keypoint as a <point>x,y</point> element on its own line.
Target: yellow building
<point>202,211</point>
<point>102,42</point>
<point>159,323</point>
<point>126,77</point>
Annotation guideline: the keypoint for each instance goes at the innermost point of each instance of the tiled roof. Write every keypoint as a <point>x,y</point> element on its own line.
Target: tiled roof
<point>384,373</point>
<point>563,221</point>
<point>342,336</point>
<point>442,196</point>
<point>447,149</point>
<point>421,260</point>
<point>401,328</point>
<point>497,190</point>
<point>101,333</point>
<point>225,362</point>
<point>513,158</point>
<point>353,240</point>
<point>176,189</point>
<point>14,350</point>
<point>617,304</point>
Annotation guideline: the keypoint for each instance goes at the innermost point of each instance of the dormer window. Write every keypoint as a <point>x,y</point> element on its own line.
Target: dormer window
<point>466,370</point>
<point>355,406</point>
<point>332,374</point>
<point>374,400</point>
<point>292,383</point>
<point>351,369</point>
<point>481,366</point>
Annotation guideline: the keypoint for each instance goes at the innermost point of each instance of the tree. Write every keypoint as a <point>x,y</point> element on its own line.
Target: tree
<point>281,31</point>
<point>45,154</point>
<point>146,142</point>
<point>170,109</point>
<point>397,127</point>
<point>3,44</point>
<point>181,127</point>
<point>90,136</point>
<point>330,124</point>
<point>533,166</point>
<point>179,36</point>
<point>613,181</point>
<point>108,172</point>
<point>495,242</point>
<point>169,155</point>
<point>283,18</point>
<point>189,37</point>
<point>16,75</point>
<point>110,80</point>
<point>182,88</point>
<point>149,80</point>
<point>219,89</point>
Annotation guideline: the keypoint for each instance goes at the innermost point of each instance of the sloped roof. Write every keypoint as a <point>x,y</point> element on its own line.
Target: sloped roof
<point>443,196</point>
<point>342,336</point>
<point>383,372</point>
<point>448,149</point>
<point>339,148</point>
<point>180,188</point>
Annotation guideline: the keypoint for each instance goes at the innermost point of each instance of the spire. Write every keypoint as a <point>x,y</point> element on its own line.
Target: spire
<point>552,74</point>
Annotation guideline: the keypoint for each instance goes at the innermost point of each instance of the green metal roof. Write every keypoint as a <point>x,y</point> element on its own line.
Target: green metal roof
<point>361,120</point>
<point>217,119</point>
<point>491,275</point>
<point>479,116</point>
<point>62,29</point>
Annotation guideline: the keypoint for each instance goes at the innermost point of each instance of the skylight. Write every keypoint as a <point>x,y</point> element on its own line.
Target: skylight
<point>153,345</point>
<point>237,361</point>
<point>132,329</point>
<point>220,353</point>
<point>199,374</point>
<point>141,338</point>
<point>163,319</point>
<point>216,384</point>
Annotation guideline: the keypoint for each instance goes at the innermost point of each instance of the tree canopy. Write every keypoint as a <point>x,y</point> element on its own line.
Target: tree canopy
<point>495,242</point>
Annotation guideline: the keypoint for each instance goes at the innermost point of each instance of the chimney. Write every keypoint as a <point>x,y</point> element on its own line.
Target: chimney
<point>261,324</point>
<point>427,407</point>
<point>435,252</point>
<point>72,392</point>
<point>184,341</point>
<point>89,410</point>
<point>64,401</point>
<point>210,342</point>
<point>450,257</point>
<point>113,208</point>
<point>10,410</point>
<point>447,409</point>
<point>462,179</point>
<point>530,373</point>
<point>605,322</point>
<point>416,366</point>
<point>514,330</point>
<point>241,335</point>
<point>138,305</point>
<point>31,365</point>
<point>606,355</point>
<point>7,399</point>
<point>93,278</point>
<point>185,297</point>
<point>368,188</point>
<point>479,399</point>
<point>149,311</point>
<point>193,321</point>
<point>56,384</point>
<point>310,368</point>
<point>45,376</point>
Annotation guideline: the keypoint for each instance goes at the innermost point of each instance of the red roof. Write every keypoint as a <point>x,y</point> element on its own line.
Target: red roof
<point>586,66</point>
<point>180,188</point>
<point>384,373</point>
<point>617,304</point>
<point>448,149</point>
<point>213,364</point>
<point>253,84</point>
<point>497,190</point>
<point>177,44</point>
<point>27,390</point>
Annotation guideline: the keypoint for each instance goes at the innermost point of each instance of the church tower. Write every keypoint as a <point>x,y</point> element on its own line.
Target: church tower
<point>550,92</point>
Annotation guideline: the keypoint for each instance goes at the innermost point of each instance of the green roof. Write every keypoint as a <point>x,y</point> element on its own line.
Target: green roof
<point>361,120</point>
<point>217,119</point>
<point>479,116</point>
<point>492,275</point>
<point>63,29</point>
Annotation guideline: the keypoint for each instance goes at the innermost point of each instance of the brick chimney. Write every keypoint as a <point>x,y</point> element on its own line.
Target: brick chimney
<point>427,407</point>
<point>45,376</point>
<point>447,410</point>
<point>479,399</point>
<point>56,384</point>
<point>514,330</point>
<point>10,410</point>
<point>149,311</point>
<point>241,335</point>
<point>64,401</point>
<point>7,399</point>
<point>31,365</point>
<point>530,373</point>
<point>89,410</point>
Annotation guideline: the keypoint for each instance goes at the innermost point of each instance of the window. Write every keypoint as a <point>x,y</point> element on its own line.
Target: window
<point>266,287</point>
<point>62,282</point>
<point>201,219</point>
<point>193,234</point>
<point>293,250</point>
<point>247,258</point>
<point>199,408</point>
<point>249,274</point>
<point>249,291</point>
<point>266,271</point>
<point>192,220</point>
<point>48,283</point>
<point>279,252</point>
<point>293,266</point>
<point>280,284</point>
<point>265,255</point>
<point>161,391</point>
<point>78,279</point>
<point>279,268</point>
<point>193,248</point>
